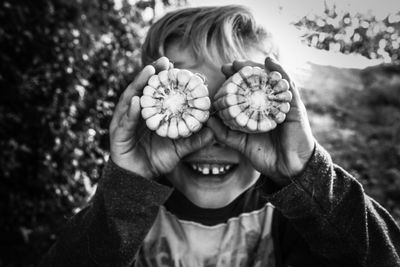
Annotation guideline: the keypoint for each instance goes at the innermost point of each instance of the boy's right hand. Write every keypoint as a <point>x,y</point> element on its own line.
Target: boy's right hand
<point>134,147</point>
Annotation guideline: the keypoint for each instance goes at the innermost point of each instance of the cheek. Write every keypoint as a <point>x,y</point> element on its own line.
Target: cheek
<point>245,167</point>
<point>246,173</point>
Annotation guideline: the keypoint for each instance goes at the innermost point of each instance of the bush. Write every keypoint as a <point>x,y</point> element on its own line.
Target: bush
<point>64,63</point>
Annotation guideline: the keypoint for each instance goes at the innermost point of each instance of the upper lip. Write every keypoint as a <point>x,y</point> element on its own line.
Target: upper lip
<point>210,161</point>
<point>213,155</point>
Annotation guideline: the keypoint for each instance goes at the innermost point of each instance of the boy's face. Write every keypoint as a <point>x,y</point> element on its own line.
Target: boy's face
<point>215,175</point>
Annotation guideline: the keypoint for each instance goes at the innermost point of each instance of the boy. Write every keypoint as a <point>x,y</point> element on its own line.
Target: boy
<point>276,198</point>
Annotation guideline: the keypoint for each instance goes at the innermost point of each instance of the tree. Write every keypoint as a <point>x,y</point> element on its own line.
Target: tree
<point>64,63</point>
<point>360,33</point>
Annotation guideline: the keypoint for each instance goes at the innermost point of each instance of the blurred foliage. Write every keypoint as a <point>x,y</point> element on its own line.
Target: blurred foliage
<point>378,142</point>
<point>360,127</point>
<point>341,31</point>
<point>64,63</point>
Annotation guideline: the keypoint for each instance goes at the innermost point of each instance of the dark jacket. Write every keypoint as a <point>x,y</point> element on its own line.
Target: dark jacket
<point>323,218</point>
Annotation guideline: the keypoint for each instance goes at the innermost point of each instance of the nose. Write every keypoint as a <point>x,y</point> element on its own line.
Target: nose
<point>214,79</point>
<point>215,143</point>
<point>213,111</point>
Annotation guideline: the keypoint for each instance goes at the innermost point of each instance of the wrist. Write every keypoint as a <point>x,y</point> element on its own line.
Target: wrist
<point>293,166</point>
<point>137,168</point>
<point>300,162</point>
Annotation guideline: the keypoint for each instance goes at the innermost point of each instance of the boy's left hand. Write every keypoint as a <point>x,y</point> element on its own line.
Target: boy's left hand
<point>281,153</point>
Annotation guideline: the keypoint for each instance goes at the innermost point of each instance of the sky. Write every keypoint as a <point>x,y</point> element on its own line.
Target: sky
<point>276,15</point>
<point>299,8</point>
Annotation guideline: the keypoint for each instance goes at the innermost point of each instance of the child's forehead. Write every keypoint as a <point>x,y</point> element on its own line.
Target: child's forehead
<point>185,55</point>
<point>182,56</point>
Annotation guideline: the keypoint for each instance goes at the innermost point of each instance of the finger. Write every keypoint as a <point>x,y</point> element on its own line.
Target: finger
<point>272,65</point>
<point>282,85</point>
<point>220,103</point>
<point>119,111</point>
<point>185,146</point>
<point>134,89</point>
<point>161,64</point>
<point>227,70</point>
<point>235,139</point>
<point>233,125</point>
<point>296,100</point>
<point>231,111</point>
<point>129,122</point>
<point>238,65</point>
<point>286,96</point>
<point>227,88</point>
<point>284,107</point>
<point>224,114</point>
<point>228,101</point>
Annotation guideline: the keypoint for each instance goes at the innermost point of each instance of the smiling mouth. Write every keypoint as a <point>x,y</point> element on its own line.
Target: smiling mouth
<point>214,169</point>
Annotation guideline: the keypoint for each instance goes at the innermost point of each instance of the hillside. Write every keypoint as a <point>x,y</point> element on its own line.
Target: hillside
<point>355,115</point>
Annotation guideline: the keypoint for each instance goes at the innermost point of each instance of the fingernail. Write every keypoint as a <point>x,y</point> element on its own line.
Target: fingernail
<point>272,59</point>
<point>149,68</point>
<point>202,76</point>
<point>134,101</point>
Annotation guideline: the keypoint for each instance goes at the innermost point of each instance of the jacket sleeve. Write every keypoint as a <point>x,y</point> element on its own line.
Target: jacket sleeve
<point>110,230</point>
<point>330,210</point>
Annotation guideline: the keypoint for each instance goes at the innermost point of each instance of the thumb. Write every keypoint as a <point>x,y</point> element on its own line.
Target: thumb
<point>224,135</point>
<point>161,64</point>
<point>194,142</point>
<point>128,124</point>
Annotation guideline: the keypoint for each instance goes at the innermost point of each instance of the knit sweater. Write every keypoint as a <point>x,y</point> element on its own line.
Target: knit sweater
<point>322,218</point>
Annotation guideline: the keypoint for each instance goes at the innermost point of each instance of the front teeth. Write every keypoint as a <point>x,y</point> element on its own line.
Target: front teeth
<point>214,169</point>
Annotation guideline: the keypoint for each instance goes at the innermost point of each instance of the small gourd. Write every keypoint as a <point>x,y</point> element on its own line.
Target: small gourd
<point>254,101</point>
<point>175,103</point>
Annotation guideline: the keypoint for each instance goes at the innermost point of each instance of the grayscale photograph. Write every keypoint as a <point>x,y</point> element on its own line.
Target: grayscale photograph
<point>199,133</point>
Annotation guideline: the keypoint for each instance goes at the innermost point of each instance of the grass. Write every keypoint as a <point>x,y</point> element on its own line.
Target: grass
<point>355,115</point>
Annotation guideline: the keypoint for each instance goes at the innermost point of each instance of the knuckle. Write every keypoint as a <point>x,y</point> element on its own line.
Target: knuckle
<point>242,143</point>
<point>198,141</point>
<point>178,149</point>
<point>122,123</point>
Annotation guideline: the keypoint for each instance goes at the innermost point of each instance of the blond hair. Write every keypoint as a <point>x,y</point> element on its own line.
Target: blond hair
<point>216,34</point>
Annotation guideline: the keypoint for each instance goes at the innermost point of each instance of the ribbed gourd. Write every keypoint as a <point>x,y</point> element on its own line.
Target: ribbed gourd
<point>175,103</point>
<point>253,100</point>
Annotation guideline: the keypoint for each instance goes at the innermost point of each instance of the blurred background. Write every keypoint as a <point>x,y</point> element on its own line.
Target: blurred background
<point>65,62</point>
